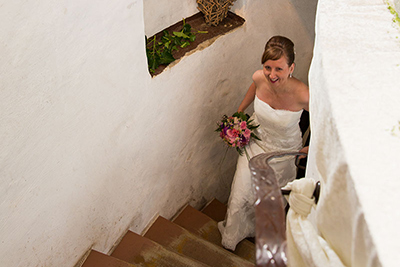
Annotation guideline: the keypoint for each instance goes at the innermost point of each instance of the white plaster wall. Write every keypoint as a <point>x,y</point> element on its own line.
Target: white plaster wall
<point>355,142</point>
<point>91,145</point>
<point>160,14</point>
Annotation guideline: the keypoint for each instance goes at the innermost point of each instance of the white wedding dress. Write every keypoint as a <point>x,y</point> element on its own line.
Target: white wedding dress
<point>280,132</point>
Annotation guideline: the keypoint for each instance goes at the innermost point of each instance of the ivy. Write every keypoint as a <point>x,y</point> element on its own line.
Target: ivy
<point>396,18</point>
<point>159,52</point>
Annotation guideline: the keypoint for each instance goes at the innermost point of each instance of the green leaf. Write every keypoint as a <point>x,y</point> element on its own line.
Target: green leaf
<point>186,28</point>
<point>240,115</point>
<point>255,136</point>
<point>180,34</point>
<point>177,41</point>
<point>166,38</point>
<point>166,58</point>
<point>149,56</point>
<point>187,43</point>
<point>192,38</point>
<point>154,62</point>
<point>166,45</point>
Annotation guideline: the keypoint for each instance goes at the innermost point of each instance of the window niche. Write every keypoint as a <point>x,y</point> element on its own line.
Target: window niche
<point>203,27</point>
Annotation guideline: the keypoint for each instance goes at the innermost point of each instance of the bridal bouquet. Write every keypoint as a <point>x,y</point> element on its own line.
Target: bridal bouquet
<point>237,130</point>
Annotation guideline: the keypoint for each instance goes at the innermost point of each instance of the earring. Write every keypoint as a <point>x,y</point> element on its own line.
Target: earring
<point>290,75</point>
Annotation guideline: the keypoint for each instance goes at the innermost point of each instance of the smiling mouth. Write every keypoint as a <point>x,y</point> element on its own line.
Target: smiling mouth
<point>273,80</point>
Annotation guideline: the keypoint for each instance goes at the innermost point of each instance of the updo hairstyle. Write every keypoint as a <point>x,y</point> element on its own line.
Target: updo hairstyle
<point>277,47</point>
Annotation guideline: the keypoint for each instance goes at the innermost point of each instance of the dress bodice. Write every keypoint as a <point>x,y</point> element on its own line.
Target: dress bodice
<point>279,129</point>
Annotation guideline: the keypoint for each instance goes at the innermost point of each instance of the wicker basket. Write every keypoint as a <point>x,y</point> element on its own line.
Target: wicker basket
<point>214,10</point>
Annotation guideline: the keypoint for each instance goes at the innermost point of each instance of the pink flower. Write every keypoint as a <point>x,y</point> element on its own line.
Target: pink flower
<point>247,133</point>
<point>243,125</point>
<point>232,133</point>
<point>232,139</point>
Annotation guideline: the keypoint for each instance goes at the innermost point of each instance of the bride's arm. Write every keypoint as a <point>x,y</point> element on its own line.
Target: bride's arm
<point>303,95</point>
<point>251,93</point>
<point>248,98</point>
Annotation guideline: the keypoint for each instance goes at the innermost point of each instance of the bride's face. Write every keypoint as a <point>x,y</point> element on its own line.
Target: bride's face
<point>277,71</point>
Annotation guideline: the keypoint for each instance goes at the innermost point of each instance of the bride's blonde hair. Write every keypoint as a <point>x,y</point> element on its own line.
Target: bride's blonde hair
<point>276,47</point>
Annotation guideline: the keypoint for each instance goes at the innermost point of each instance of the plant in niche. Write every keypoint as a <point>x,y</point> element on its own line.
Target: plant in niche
<point>159,52</point>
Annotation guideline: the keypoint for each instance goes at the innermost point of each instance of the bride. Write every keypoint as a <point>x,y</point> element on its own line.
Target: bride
<point>279,100</point>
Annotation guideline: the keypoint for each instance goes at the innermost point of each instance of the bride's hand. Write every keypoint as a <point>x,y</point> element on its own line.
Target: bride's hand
<point>304,150</point>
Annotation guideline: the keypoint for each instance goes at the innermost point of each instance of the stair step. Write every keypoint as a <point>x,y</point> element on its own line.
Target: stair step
<point>137,249</point>
<point>178,239</point>
<point>98,259</point>
<point>216,210</point>
<point>200,224</point>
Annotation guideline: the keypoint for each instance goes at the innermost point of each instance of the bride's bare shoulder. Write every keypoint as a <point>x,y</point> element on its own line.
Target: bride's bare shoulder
<point>258,76</point>
<point>302,93</point>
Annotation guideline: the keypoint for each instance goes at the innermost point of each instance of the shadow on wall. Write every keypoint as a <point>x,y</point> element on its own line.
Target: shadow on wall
<point>306,10</point>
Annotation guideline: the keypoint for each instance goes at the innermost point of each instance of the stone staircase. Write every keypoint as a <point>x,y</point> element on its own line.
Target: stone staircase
<point>191,238</point>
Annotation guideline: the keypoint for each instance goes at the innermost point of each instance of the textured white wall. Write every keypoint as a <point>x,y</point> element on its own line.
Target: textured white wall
<point>91,145</point>
<point>355,141</point>
<point>159,14</point>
